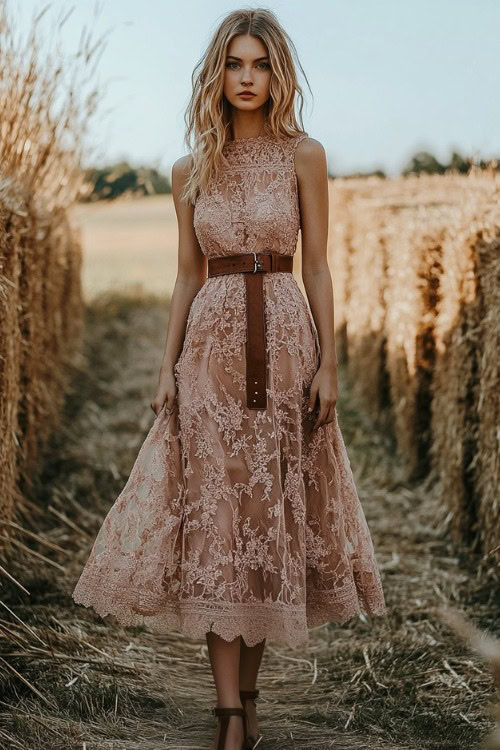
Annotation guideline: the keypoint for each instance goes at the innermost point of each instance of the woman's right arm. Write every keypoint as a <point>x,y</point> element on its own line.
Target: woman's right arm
<point>191,275</point>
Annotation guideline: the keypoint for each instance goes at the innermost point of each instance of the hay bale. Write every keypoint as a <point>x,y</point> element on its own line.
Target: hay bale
<point>488,391</point>
<point>454,418</point>
<point>50,330</point>
<point>366,307</point>
<point>416,274</point>
<point>12,210</point>
<point>43,142</point>
<point>40,325</point>
<point>465,446</point>
<point>393,265</point>
<point>339,240</point>
<point>414,261</point>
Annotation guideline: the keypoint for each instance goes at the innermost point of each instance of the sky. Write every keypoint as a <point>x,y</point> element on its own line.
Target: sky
<point>388,77</point>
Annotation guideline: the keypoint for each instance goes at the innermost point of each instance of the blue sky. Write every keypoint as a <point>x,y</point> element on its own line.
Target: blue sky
<point>388,77</point>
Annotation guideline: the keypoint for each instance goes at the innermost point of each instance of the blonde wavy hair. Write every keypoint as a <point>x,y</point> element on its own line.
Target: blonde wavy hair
<point>208,115</point>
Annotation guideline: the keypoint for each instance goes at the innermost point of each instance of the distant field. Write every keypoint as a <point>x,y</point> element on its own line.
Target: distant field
<point>128,244</point>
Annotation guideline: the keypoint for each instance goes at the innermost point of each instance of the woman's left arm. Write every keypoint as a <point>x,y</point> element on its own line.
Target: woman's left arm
<point>312,178</point>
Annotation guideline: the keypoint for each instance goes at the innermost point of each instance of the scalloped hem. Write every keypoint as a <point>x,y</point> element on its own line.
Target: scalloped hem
<point>280,623</point>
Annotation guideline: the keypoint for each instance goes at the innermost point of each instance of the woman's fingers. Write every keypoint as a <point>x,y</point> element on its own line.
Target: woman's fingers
<point>331,413</point>
<point>326,413</point>
<point>312,397</point>
<point>166,399</point>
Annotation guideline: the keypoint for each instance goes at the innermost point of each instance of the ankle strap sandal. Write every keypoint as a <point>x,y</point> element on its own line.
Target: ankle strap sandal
<point>223,715</point>
<point>250,695</point>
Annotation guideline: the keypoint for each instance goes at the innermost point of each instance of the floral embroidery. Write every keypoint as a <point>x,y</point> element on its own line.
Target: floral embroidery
<point>240,521</point>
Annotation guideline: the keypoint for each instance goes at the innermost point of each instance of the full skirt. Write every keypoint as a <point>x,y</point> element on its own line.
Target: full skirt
<point>240,521</point>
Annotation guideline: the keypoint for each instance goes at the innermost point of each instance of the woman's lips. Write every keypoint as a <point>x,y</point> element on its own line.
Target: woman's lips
<point>246,95</point>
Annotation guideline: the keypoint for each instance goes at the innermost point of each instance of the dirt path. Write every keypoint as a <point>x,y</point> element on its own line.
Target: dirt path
<point>391,683</point>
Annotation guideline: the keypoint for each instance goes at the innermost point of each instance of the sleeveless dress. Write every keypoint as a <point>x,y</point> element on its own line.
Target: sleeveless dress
<point>240,521</point>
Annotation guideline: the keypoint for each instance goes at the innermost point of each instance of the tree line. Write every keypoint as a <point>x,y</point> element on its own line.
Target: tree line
<point>114,180</point>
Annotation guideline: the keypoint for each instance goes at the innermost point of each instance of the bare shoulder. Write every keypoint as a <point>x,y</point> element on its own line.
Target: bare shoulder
<point>310,147</point>
<point>182,167</point>
<point>309,155</point>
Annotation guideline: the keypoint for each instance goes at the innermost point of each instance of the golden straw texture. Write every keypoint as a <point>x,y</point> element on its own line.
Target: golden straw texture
<point>416,267</point>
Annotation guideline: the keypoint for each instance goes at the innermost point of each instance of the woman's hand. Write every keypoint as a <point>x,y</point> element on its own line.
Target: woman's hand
<point>165,393</point>
<point>325,386</point>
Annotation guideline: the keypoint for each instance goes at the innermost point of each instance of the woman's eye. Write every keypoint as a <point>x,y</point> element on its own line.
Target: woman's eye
<point>266,65</point>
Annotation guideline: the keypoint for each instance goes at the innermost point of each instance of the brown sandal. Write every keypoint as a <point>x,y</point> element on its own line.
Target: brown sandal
<point>223,715</point>
<point>250,695</point>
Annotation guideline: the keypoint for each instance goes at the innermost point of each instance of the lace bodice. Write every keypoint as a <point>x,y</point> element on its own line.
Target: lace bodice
<point>253,205</point>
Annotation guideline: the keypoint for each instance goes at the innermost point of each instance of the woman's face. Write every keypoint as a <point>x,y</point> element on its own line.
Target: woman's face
<point>247,68</point>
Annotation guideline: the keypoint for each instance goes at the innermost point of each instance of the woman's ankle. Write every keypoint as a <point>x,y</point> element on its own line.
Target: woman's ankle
<point>229,703</point>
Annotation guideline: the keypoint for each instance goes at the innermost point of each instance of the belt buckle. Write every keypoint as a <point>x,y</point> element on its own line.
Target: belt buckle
<point>256,264</point>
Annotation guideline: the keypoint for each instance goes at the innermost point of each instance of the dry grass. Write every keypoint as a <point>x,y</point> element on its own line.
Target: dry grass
<point>489,649</point>
<point>42,137</point>
<point>46,104</point>
<point>405,681</point>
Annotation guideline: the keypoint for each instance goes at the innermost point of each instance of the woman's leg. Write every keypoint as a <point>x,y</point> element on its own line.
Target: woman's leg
<point>225,662</point>
<point>250,658</point>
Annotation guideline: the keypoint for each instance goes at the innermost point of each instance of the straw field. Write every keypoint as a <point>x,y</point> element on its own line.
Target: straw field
<point>416,267</point>
<point>40,317</point>
<point>42,128</point>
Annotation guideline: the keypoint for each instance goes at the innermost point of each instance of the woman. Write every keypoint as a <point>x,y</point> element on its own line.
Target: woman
<point>240,520</point>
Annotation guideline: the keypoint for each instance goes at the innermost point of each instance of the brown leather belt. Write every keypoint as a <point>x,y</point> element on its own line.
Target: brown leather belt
<point>253,265</point>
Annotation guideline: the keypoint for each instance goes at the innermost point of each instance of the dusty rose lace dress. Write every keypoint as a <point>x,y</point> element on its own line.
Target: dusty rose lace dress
<point>234,520</point>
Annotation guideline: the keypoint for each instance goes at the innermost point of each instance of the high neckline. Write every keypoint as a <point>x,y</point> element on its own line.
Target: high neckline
<point>251,138</point>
